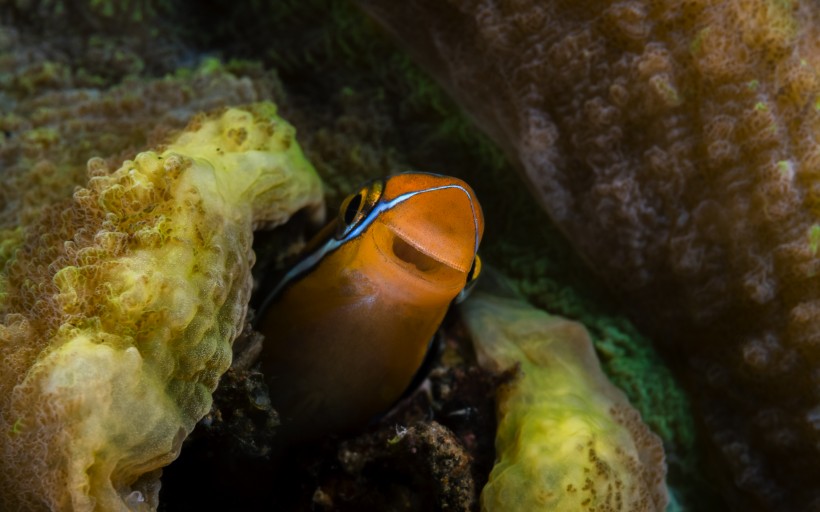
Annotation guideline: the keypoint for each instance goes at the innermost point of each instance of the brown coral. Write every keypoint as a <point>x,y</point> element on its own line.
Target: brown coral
<point>676,144</point>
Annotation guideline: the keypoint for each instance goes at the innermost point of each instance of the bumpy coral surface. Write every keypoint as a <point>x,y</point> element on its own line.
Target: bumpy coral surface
<point>55,117</point>
<point>120,305</point>
<point>567,438</point>
<point>676,144</point>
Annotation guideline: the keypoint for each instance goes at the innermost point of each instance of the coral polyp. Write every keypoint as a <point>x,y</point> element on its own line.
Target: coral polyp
<point>120,305</point>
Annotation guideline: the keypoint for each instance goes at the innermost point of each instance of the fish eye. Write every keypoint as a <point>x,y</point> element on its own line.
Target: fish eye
<point>354,204</point>
<point>357,206</point>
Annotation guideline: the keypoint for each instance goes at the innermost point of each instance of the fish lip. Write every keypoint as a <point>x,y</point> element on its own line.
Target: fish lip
<point>430,280</point>
<point>398,233</point>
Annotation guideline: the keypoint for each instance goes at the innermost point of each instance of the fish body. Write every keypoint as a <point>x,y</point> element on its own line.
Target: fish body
<point>348,327</point>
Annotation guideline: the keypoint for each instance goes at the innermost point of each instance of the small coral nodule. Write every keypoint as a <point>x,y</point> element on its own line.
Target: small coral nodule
<point>119,309</point>
<point>567,438</point>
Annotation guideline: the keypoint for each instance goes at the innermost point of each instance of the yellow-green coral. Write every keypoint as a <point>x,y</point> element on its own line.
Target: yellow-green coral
<point>121,305</point>
<point>567,438</point>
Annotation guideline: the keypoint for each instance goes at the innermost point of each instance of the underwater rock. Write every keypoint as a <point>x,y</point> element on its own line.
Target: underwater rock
<point>120,305</point>
<point>567,438</point>
<point>676,145</point>
<point>426,452</point>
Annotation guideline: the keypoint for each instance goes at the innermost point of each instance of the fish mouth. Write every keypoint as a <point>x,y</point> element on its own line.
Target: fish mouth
<point>410,253</point>
<point>417,252</point>
<point>444,223</point>
<point>415,261</point>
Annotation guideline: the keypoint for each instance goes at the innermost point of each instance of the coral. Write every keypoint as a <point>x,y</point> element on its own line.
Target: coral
<point>51,127</point>
<point>50,130</point>
<point>676,145</point>
<point>567,438</point>
<point>89,42</point>
<point>100,16</point>
<point>120,306</point>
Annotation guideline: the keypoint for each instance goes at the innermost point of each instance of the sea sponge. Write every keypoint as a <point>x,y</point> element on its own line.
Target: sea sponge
<point>676,144</point>
<point>567,438</point>
<point>120,306</point>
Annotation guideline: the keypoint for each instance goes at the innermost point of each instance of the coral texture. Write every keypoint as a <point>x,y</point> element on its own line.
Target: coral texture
<point>676,145</point>
<point>119,308</point>
<point>57,117</point>
<point>567,438</point>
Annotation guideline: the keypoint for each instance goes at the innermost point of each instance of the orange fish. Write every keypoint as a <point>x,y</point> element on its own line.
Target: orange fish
<point>348,327</point>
